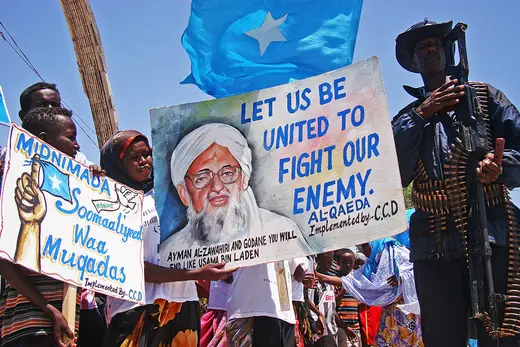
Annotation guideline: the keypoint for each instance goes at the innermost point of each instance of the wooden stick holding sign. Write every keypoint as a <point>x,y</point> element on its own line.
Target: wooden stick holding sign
<point>69,310</point>
<point>283,291</point>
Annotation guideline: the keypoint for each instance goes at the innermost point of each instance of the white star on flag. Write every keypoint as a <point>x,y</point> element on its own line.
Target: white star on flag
<point>56,182</point>
<point>268,32</point>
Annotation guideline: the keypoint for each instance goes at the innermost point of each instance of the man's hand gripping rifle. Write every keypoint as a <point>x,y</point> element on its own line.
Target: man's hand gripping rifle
<point>470,120</point>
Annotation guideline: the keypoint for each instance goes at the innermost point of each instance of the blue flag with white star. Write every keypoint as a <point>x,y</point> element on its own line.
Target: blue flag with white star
<point>238,46</point>
<point>55,182</point>
<point>4,115</point>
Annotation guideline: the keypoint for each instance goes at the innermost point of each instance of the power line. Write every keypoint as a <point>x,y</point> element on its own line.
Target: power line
<point>78,117</point>
<point>82,121</point>
<point>27,61</point>
<point>24,57</point>
<point>20,55</point>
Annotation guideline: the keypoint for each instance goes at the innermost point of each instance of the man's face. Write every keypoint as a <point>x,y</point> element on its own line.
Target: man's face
<point>44,98</point>
<point>324,261</point>
<point>346,262</point>
<point>214,178</point>
<point>429,55</point>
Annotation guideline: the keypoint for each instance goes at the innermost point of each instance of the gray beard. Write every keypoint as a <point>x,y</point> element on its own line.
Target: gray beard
<point>207,228</point>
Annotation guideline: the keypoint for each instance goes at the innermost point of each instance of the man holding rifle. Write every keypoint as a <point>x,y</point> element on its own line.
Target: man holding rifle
<point>431,142</point>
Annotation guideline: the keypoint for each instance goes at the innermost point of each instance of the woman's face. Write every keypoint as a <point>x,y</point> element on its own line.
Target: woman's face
<point>138,161</point>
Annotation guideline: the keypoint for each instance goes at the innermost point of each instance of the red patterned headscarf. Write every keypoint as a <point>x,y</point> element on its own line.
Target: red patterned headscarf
<point>112,154</point>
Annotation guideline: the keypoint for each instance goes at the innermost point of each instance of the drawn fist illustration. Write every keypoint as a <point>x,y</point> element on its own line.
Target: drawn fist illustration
<point>29,197</point>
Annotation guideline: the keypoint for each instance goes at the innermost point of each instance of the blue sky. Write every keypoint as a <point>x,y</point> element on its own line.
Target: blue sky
<point>146,60</point>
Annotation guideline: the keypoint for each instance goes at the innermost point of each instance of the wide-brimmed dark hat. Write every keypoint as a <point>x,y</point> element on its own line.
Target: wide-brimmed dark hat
<point>405,42</point>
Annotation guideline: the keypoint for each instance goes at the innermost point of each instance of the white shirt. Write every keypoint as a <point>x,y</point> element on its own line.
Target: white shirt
<point>310,264</point>
<point>262,290</point>
<point>171,291</point>
<point>297,286</point>
<point>80,157</point>
<point>218,295</point>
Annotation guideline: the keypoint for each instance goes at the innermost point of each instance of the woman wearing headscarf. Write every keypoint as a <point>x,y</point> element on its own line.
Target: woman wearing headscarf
<point>171,314</point>
<point>387,280</point>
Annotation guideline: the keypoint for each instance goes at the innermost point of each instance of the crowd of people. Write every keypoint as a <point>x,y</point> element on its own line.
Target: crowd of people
<point>396,291</point>
<point>321,314</point>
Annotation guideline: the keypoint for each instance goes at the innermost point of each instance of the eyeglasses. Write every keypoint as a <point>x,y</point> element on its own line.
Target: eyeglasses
<point>226,175</point>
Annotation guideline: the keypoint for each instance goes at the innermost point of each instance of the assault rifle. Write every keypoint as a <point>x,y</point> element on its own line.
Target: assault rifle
<point>471,123</point>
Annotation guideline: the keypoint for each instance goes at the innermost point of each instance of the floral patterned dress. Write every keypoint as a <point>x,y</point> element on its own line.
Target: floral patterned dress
<point>161,324</point>
<point>399,329</point>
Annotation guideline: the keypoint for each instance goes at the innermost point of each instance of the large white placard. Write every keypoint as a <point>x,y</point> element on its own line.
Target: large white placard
<point>297,169</point>
<point>60,220</point>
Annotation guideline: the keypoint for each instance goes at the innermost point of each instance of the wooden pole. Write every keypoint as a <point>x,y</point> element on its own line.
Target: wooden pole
<point>91,64</point>
<point>69,307</point>
<point>283,291</point>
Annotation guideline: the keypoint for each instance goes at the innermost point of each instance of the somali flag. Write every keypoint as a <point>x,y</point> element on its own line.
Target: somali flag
<point>4,115</point>
<point>54,182</point>
<point>237,46</point>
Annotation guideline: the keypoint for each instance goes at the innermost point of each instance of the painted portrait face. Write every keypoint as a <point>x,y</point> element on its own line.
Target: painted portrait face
<point>213,180</point>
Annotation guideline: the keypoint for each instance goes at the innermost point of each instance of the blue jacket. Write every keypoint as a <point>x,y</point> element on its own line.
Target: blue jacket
<point>415,137</point>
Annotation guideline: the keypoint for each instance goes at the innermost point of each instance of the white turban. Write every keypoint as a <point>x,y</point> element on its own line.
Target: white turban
<point>200,139</point>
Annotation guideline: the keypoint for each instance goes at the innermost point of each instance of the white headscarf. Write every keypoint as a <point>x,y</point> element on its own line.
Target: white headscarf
<point>200,139</point>
<point>374,289</point>
<point>361,256</point>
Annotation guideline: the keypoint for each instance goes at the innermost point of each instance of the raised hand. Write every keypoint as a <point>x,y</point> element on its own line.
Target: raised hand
<point>97,170</point>
<point>490,167</point>
<point>32,208</point>
<point>442,99</point>
<point>309,281</point>
<point>28,196</point>
<point>392,281</point>
<point>487,170</point>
